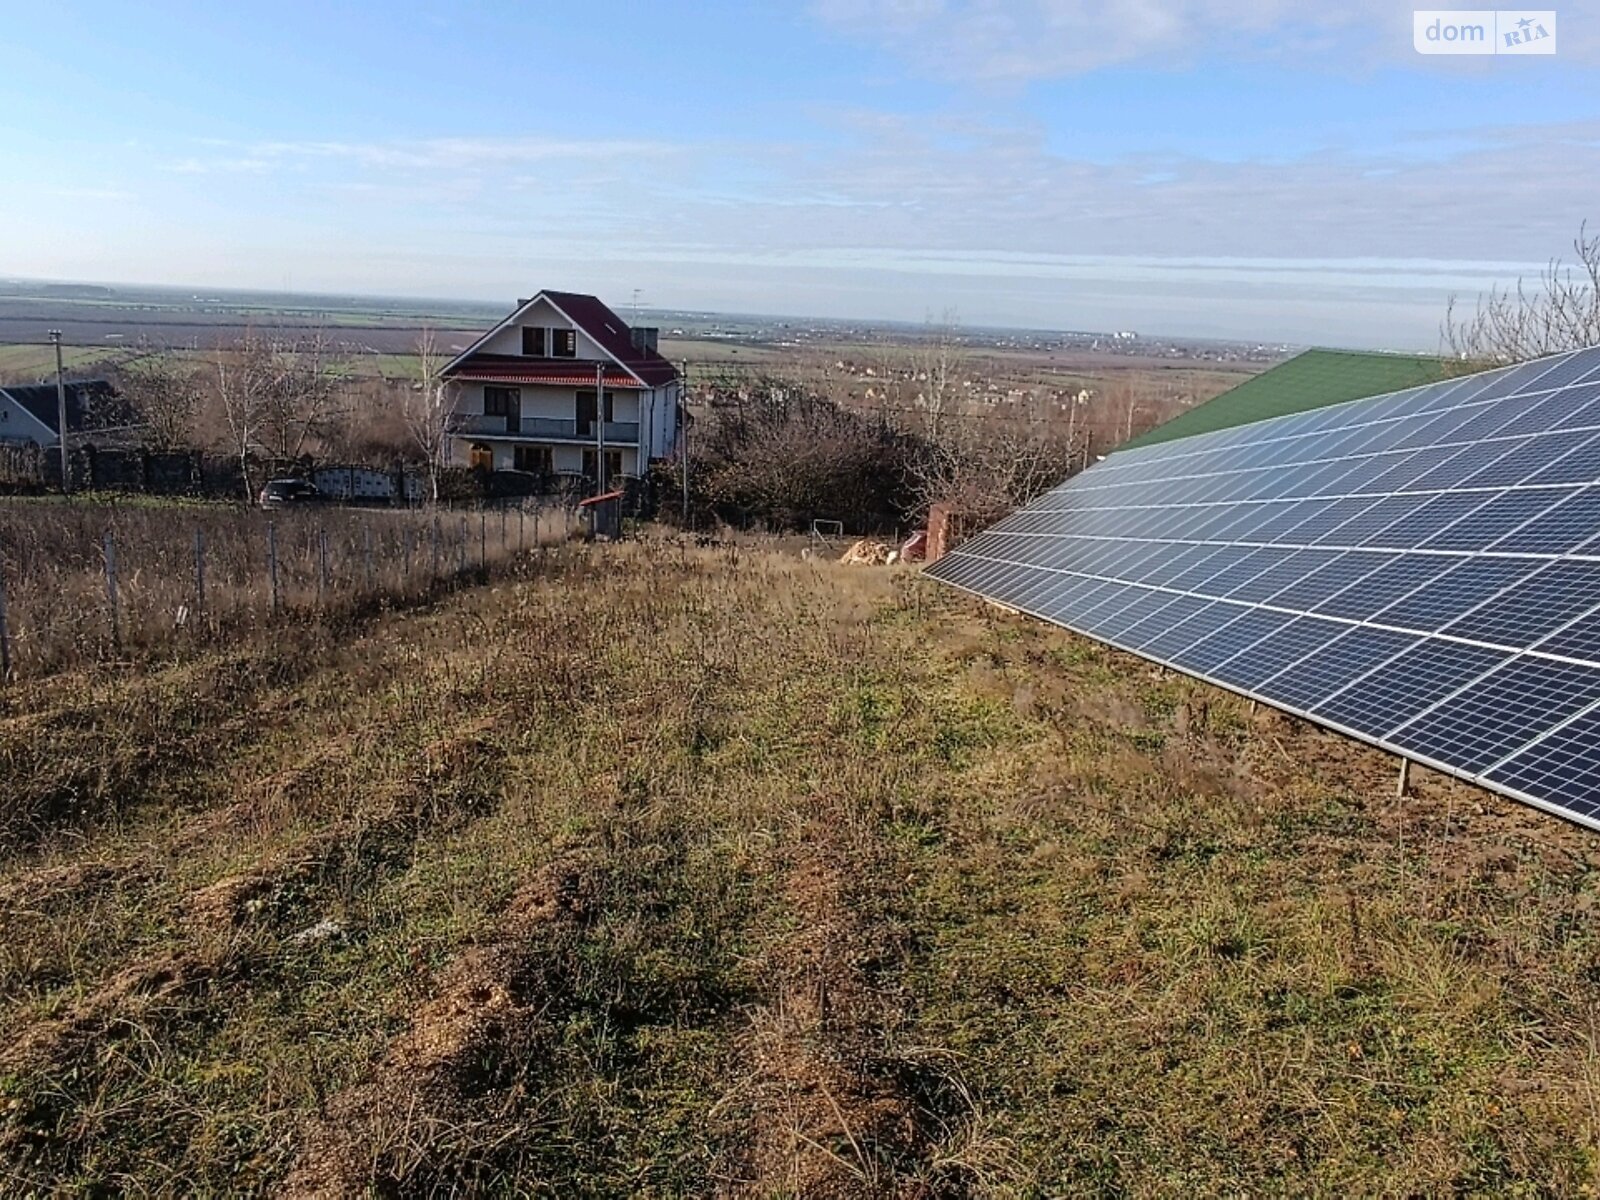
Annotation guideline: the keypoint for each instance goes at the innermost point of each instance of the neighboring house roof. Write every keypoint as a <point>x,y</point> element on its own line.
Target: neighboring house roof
<point>512,368</point>
<point>1311,379</point>
<point>39,401</point>
<point>602,326</point>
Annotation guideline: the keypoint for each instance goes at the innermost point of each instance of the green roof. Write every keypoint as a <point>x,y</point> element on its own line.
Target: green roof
<point>1311,379</point>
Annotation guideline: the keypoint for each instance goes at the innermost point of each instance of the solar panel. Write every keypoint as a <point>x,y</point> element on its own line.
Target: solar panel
<point>1420,570</point>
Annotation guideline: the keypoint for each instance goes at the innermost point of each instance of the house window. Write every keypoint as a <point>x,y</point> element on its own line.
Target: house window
<point>533,341</point>
<point>481,457</point>
<point>501,401</point>
<point>536,460</point>
<point>613,466</point>
<point>586,411</point>
<point>563,343</point>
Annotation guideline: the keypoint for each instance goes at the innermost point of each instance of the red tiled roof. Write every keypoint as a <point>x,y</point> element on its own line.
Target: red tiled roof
<point>512,368</point>
<point>602,326</point>
<point>591,315</point>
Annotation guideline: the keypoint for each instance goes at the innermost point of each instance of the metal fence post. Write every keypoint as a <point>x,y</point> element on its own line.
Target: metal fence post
<point>461,549</point>
<point>272,563</point>
<point>436,563</point>
<point>483,539</point>
<point>199,574</point>
<point>5,631</point>
<point>522,529</point>
<point>322,565</point>
<point>366,534</point>
<point>111,588</point>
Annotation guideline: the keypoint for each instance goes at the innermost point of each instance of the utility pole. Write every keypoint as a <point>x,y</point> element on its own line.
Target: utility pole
<point>600,428</point>
<point>682,418</point>
<point>61,411</point>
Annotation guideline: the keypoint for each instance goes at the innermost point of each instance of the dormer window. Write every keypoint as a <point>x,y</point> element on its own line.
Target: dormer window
<point>564,343</point>
<point>533,341</point>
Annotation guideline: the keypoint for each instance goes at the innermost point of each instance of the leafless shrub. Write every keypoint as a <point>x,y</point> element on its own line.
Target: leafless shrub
<point>987,464</point>
<point>767,446</point>
<point>776,447</point>
<point>980,457</point>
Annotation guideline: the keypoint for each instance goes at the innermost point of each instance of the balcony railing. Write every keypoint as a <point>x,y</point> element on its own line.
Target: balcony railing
<point>552,428</point>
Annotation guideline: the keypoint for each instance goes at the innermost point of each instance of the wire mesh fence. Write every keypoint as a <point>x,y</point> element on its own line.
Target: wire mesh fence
<point>83,581</point>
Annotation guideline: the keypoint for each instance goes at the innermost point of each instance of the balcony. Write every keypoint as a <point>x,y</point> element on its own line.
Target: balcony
<point>545,429</point>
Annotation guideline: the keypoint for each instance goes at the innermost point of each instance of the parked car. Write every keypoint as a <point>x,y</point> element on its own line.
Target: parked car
<point>279,493</point>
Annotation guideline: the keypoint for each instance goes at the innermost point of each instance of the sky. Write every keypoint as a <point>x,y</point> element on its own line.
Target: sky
<point>1253,169</point>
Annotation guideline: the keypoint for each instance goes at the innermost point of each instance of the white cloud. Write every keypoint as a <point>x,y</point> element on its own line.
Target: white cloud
<point>194,165</point>
<point>108,195</point>
<point>1516,193</point>
<point>1016,41</point>
<point>426,154</point>
<point>889,215</point>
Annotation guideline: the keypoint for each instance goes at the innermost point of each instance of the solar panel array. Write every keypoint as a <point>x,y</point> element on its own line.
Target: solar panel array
<point>1420,570</point>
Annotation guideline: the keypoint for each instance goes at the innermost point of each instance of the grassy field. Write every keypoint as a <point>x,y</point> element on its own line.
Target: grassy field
<point>654,870</point>
<point>29,364</point>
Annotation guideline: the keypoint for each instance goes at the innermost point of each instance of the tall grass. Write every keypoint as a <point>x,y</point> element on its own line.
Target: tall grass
<point>91,580</point>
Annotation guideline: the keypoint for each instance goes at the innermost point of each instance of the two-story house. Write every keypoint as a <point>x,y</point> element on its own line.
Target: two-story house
<point>530,395</point>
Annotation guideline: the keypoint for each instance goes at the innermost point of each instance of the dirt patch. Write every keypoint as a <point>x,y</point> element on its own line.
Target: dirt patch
<point>123,998</point>
<point>51,887</point>
<point>484,1008</point>
<point>828,1114</point>
<point>235,898</point>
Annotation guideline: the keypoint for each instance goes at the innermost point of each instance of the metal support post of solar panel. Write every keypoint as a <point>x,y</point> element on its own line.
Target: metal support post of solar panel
<point>1419,570</point>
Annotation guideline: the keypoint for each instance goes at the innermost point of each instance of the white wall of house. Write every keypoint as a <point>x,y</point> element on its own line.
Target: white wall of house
<point>663,421</point>
<point>546,400</point>
<point>654,410</point>
<point>542,313</point>
<point>18,425</point>
<point>565,456</point>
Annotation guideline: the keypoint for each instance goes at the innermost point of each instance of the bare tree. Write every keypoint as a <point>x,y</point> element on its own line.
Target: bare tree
<point>429,414</point>
<point>304,400</point>
<point>986,464</point>
<point>1558,311</point>
<point>165,394</point>
<point>245,374</point>
<point>939,365</point>
<point>277,394</point>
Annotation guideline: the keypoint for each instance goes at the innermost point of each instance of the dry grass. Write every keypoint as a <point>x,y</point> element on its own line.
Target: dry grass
<point>659,871</point>
<point>171,590</point>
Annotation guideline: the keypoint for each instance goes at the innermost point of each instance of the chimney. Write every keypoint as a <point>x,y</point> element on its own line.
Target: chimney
<point>645,337</point>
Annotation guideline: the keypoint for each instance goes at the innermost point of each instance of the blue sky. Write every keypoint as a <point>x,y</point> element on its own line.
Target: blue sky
<point>1213,167</point>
